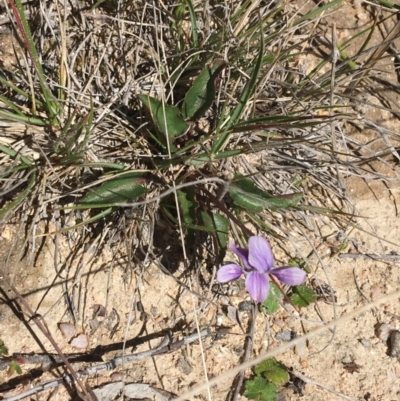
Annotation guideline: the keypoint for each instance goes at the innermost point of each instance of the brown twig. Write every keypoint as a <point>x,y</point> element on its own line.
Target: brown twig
<point>247,354</point>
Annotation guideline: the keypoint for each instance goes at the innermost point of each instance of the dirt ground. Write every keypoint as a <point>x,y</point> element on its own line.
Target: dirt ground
<point>353,360</point>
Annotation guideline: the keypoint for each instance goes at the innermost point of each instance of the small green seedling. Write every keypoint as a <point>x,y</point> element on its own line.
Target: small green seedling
<point>3,348</point>
<point>269,374</point>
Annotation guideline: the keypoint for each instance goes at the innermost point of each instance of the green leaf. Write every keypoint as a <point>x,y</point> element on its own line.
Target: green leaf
<point>312,14</point>
<point>122,188</point>
<point>3,348</point>
<point>389,4</point>
<point>303,296</point>
<point>260,389</point>
<point>86,222</point>
<point>14,154</point>
<point>171,124</point>
<point>188,206</point>
<point>218,223</point>
<point>21,197</point>
<point>273,371</point>
<point>201,95</point>
<point>271,305</point>
<point>199,159</point>
<point>193,24</point>
<point>14,368</point>
<point>247,195</point>
<point>49,100</point>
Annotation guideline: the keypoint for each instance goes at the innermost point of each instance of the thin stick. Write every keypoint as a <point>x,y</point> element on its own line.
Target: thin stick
<point>368,256</point>
<point>331,390</point>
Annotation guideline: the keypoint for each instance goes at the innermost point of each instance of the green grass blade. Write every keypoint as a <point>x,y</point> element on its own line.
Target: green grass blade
<point>16,117</point>
<point>388,4</point>
<point>86,222</point>
<point>13,153</point>
<point>17,90</point>
<point>312,14</point>
<point>21,197</point>
<point>51,105</point>
<point>245,96</point>
<point>193,22</point>
<point>12,106</point>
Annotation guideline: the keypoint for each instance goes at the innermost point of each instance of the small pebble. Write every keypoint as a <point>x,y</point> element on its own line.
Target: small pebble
<point>284,335</point>
<point>325,230</point>
<point>184,365</point>
<point>347,359</point>
<point>117,377</point>
<point>365,343</point>
<point>384,331</point>
<point>301,349</point>
<point>394,349</point>
<point>279,323</point>
<point>245,306</point>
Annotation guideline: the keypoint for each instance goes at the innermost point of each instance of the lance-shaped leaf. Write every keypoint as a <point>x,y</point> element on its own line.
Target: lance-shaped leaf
<point>201,95</point>
<point>248,196</point>
<point>122,188</point>
<point>220,224</point>
<point>188,206</point>
<point>166,118</point>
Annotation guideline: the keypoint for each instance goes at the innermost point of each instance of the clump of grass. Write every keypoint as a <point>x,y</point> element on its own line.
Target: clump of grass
<point>107,115</point>
<point>196,120</point>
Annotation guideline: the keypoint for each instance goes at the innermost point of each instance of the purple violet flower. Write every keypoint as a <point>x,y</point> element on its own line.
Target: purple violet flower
<point>259,263</point>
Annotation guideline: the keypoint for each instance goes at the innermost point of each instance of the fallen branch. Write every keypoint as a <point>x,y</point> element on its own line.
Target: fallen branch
<point>163,348</point>
<point>44,359</point>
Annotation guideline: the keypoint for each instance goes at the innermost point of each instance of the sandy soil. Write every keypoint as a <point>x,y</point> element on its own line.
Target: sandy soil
<point>326,359</point>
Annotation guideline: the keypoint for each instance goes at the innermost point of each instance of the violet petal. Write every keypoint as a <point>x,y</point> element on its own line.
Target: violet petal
<point>260,254</point>
<point>290,275</point>
<point>257,285</point>
<point>229,272</point>
<point>242,253</point>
